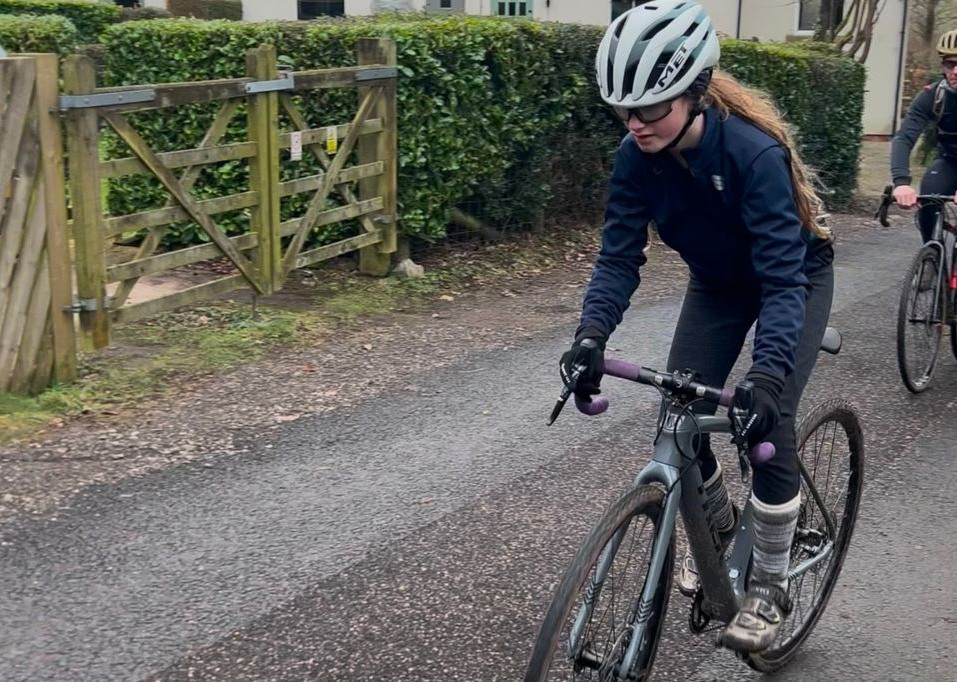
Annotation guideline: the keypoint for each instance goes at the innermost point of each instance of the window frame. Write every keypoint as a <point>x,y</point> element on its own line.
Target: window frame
<point>324,3</point>
<point>528,4</point>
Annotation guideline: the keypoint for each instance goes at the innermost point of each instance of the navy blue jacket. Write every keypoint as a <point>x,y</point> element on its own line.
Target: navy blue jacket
<point>936,103</point>
<point>730,215</point>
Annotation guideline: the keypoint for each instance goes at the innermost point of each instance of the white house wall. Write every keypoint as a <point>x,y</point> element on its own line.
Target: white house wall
<point>270,10</point>
<point>724,15</point>
<point>764,19</point>
<point>883,70</point>
<point>595,13</point>
<point>366,7</point>
<point>778,20</point>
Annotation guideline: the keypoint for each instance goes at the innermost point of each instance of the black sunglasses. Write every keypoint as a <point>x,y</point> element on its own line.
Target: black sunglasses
<point>948,64</point>
<point>647,114</point>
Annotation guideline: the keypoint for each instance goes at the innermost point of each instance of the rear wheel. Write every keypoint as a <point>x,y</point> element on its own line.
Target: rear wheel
<point>953,339</point>
<point>570,647</point>
<point>831,450</point>
<point>919,321</point>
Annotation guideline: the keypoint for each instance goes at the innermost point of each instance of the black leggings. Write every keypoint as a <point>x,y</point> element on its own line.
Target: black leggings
<point>940,178</point>
<point>711,330</point>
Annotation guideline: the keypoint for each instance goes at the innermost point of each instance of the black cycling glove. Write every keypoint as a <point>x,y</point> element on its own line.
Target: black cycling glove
<point>581,365</point>
<point>765,409</point>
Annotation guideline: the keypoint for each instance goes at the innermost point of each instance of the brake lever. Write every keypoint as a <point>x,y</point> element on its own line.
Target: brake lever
<point>565,394</point>
<point>743,397</point>
<point>886,201</point>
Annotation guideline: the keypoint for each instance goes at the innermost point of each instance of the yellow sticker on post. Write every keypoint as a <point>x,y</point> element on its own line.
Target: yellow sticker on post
<point>332,140</point>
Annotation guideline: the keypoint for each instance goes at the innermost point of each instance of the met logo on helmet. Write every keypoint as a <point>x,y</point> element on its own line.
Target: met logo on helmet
<point>673,67</point>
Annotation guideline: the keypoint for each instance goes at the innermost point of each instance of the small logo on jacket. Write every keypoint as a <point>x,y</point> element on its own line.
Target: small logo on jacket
<point>718,182</point>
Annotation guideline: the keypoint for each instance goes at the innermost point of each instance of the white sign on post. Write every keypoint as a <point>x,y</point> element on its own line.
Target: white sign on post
<point>295,147</point>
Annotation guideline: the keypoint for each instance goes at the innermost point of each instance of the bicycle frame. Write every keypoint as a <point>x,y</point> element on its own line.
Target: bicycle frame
<point>944,242</point>
<point>722,581</point>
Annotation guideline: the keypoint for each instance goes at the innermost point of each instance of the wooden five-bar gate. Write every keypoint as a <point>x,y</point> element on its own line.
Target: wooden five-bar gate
<point>357,162</point>
<point>36,337</point>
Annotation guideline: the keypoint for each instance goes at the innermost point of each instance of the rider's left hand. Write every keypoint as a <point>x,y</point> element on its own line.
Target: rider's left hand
<point>765,404</point>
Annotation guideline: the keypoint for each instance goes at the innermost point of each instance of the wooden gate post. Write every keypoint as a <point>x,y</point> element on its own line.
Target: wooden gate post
<point>263,125</point>
<point>58,248</point>
<point>377,259</point>
<point>79,78</point>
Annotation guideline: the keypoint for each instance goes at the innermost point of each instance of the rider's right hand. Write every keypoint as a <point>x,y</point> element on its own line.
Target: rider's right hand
<point>581,365</point>
<point>905,195</point>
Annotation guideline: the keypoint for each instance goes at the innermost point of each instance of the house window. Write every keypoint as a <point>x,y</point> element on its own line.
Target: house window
<point>811,13</point>
<point>808,14</point>
<point>445,6</point>
<point>619,7</point>
<point>513,8</point>
<point>311,9</point>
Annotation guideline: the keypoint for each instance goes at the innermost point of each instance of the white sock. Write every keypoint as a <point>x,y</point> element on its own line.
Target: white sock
<point>719,502</point>
<point>774,526</point>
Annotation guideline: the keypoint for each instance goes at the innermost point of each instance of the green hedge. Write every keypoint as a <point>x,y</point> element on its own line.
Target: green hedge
<point>90,18</point>
<point>206,9</point>
<point>474,108</point>
<point>37,34</point>
<point>143,13</point>
<point>822,95</point>
<point>498,116</point>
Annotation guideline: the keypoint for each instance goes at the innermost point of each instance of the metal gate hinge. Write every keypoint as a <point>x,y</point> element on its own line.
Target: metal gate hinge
<point>105,99</point>
<point>286,82</point>
<point>86,305</point>
<point>377,74</point>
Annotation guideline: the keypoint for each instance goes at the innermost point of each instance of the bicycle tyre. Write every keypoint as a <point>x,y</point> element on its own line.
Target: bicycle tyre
<point>917,379</point>
<point>841,415</point>
<point>953,339</point>
<point>647,501</point>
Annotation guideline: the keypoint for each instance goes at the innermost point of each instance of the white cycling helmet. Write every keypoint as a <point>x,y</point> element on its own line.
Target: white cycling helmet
<point>653,53</point>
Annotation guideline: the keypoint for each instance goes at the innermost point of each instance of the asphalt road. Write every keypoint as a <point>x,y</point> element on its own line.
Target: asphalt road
<point>420,538</point>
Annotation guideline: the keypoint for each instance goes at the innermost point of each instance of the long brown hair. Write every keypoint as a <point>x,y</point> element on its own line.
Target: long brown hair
<point>729,96</point>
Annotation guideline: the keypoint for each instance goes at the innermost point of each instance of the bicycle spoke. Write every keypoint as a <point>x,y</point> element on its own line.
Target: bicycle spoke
<point>606,634</point>
<point>826,456</point>
<point>920,322</point>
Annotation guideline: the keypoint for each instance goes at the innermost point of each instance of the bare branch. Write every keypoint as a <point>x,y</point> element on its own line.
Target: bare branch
<point>853,34</point>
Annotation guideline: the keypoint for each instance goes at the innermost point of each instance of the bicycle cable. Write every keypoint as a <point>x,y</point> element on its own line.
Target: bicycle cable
<point>691,460</point>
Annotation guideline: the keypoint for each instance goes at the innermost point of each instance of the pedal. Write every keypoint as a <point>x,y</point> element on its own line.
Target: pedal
<point>698,619</point>
<point>719,644</point>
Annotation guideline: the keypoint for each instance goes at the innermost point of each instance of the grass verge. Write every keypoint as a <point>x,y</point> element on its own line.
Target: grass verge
<point>150,356</point>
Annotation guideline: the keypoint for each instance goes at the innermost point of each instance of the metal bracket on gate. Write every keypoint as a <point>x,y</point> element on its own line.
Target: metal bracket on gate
<point>287,82</point>
<point>86,305</point>
<point>377,74</point>
<point>105,99</point>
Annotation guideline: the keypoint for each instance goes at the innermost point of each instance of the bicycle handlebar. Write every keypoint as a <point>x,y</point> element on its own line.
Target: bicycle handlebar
<point>672,383</point>
<point>887,200</point>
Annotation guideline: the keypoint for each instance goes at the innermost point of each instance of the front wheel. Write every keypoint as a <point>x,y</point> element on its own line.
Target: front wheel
<point>831,451</point>
<point>920,321</point>
<point>589,626</point>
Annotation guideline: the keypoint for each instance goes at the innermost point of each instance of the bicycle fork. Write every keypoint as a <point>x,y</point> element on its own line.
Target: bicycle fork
<point>943,282</point>
<point>663,533</point>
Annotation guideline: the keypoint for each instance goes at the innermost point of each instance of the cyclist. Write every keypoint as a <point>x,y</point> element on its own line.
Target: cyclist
<point>937,105</point>
<point>712,163</point>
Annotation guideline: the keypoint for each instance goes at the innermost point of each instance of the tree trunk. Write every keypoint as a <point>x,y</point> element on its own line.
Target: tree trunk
<point>927,30</point>
<point>828,18</point>
<point>851,34</point>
